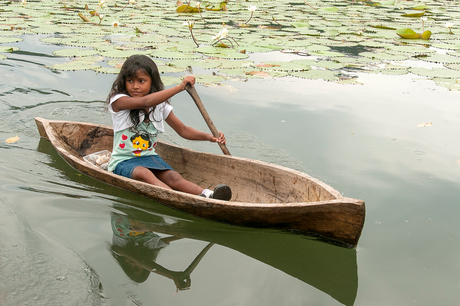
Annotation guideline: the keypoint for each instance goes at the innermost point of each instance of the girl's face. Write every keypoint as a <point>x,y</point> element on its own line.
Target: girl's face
<point>139,85</point>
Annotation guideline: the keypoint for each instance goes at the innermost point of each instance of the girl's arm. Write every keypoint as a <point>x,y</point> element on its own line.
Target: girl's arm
<point>151,99</point>
<point>191,133</point>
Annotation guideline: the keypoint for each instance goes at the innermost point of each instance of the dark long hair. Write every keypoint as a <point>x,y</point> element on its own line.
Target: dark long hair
<point>130,68</point>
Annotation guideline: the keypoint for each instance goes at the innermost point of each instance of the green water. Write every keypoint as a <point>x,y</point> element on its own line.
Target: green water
<point>363,140</point>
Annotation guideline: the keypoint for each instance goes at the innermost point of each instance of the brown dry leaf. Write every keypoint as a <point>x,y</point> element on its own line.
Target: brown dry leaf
<point>263,65</point>
<point>180,3</point>
<point>425,124</point>
<point>259,73</point>
<point>12,139</point>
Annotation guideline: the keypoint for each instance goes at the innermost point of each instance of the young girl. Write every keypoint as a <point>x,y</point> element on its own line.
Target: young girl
<point>139,105</point>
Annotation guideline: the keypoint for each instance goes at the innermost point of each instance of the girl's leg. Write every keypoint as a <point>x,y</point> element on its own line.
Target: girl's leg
<point>145,175</point>
<point>174,180</point>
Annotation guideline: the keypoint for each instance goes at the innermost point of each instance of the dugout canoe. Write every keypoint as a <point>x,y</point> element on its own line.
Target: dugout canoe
<point>264,195</point>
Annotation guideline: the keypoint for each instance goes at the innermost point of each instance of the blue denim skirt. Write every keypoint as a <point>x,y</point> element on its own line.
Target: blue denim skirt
<point>152,162</point>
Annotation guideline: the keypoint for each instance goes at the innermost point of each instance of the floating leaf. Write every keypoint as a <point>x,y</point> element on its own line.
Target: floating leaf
<point>426,35</point>
<point>425,124</point>
<point>388,3</point>
<point>300,24</point>
<point>236,71</point>
<point>229,64</point>
<point>414,14</point>
<point>411,49</point>
<point>283,66</point>
<point>408,33</point>
<point>175,55</point>
<point>394,72</point>
<point>8,49</point>
<point>451,84</point>
<point>203,63</point>
<point>9,39</point>
<point>167,69</point>
<point>381,26</point>
<point>206,78</point>
<point>75,52</point>
<point>326,75</point>
<point>108,70</point>
<point>121,53</point>
<point>168,81</point>
<point>187,9</point>
<point>420,7</point>
<point>263,65</point>
<point>331,9</point>
<point>12,139</point>
<point>263,74</point>
<point>441,58</point>
<point>384,56</point>
<point>453,66</point>
<point>436,72</point>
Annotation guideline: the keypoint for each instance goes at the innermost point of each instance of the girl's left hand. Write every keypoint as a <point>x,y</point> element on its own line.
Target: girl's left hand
<point>189,79</point>
<point>221,139</point>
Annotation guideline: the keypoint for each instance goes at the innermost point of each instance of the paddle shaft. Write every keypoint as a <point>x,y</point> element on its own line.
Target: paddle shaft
<point>191,90</point>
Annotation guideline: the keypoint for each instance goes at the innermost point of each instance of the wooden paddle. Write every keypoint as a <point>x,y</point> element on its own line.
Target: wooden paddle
<point>191,90</point>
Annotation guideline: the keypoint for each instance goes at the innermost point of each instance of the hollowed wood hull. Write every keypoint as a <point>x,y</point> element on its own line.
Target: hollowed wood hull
<point>264,195</point>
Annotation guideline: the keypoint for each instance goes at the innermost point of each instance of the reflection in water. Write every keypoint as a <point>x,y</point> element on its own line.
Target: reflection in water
<point>136,247</point>
<point>330,269</point>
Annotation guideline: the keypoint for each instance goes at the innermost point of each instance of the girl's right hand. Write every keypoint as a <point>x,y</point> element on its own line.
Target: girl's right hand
<point>189,79</point>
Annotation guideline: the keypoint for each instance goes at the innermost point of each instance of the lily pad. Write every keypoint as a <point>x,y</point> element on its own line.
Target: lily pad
<point>75,65</point>
<point>9,39</point>
<point>206,78</point>
<point>121,53</point>
<point>175,55</point>
<point>108,70</point>
<point>75,52</point>
<point>283,66</point>
<point>236,71</point>
<point>168,81</point>
<point>240,64</point>
<point>171,69</point>
<point>362,34</point>
<point>441,58</point>
<point>203,63</point>
<point>436,72</point>
<point>326,75</point>
<point>384,56</point>
<point>8,49</point>
<point>408,33</point>
<point>451,84</point>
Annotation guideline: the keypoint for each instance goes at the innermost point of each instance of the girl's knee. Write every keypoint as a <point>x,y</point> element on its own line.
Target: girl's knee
<point>142,174</point>
<point>171,178</point>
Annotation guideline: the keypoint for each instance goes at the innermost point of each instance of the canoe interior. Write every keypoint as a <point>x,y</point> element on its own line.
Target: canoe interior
<point>251,182</point>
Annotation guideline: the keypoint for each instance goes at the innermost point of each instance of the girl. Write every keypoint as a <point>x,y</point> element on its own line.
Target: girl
<point>139,105</point>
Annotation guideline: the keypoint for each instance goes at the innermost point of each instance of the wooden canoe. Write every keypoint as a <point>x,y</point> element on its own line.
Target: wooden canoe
<point>264,195</point>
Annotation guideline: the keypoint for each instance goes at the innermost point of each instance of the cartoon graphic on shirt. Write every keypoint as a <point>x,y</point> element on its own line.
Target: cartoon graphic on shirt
<point>141,142</point>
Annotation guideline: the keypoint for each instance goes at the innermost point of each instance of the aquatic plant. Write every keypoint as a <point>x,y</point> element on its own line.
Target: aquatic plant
<point>190,25</point>
<point>449,25</point>
<point>252,9</point>
<point>339,38</point>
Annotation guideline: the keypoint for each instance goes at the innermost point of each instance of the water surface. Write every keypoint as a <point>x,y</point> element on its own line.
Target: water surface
<point>363,140</point>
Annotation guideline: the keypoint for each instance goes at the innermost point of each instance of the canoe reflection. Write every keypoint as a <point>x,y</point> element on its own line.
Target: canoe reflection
<point>135,247</point>
<point>331,269</point>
